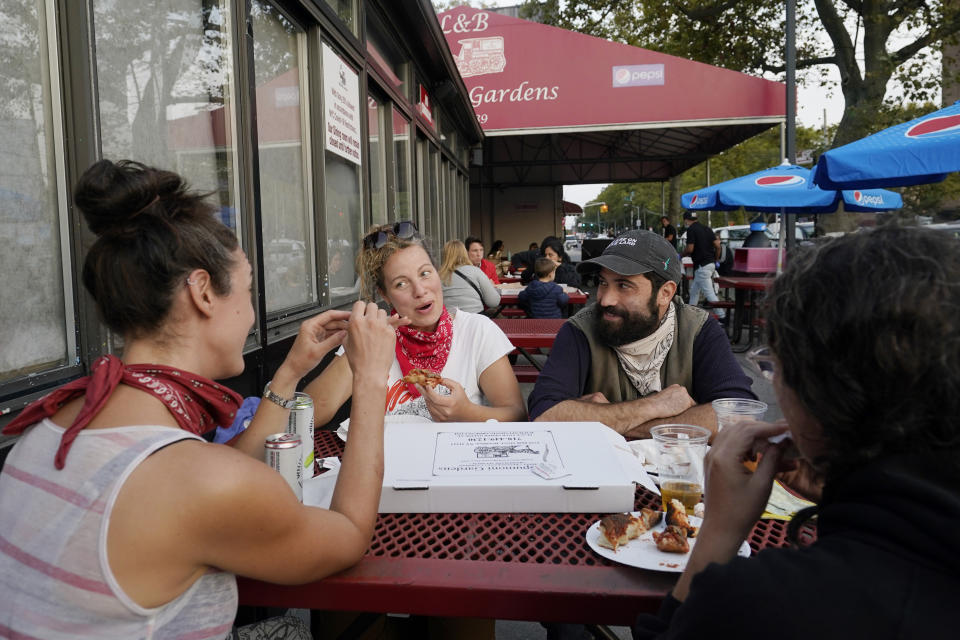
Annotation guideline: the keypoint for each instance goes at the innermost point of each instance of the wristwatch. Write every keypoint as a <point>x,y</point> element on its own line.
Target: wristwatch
<point>278,400</point>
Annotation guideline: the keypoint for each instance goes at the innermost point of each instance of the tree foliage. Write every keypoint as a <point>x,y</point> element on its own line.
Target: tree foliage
<point>898,40</point>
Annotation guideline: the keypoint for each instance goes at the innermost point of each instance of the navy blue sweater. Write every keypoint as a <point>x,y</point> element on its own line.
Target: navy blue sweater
<point>544,299</point>
<point>716,373</point>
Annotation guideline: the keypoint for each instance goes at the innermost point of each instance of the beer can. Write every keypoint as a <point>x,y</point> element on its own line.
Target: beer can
<point>300,422</point>
<point>282,453</point>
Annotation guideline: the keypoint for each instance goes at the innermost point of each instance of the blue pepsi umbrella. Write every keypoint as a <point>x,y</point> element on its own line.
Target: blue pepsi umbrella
<point>786,189</point>
<point>916,152</point>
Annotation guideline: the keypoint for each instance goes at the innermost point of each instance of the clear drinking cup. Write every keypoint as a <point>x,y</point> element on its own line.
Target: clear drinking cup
<point>731,411</point>
<point>680,452</point>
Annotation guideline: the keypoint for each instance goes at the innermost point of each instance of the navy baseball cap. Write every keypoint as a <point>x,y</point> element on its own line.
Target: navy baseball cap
<point>635,252</point>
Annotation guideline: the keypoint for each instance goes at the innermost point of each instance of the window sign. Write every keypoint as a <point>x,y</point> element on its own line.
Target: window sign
<point>341,99</point>
<point>425,107</point>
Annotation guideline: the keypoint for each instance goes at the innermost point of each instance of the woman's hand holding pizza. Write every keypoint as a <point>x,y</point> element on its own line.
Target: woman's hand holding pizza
<point>455,407</point>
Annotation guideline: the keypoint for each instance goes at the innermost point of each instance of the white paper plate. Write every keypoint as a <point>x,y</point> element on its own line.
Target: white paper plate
<point>643,553</point>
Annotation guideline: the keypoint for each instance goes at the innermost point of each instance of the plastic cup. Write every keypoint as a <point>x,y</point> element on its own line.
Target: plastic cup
<point>680,452</point>
<point>731,411</point>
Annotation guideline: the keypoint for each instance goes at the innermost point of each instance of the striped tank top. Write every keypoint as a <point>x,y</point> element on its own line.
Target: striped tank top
<point>54,578</point>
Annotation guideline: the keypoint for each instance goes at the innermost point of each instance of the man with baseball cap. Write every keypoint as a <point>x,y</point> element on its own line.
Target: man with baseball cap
<point>638,356</point>
<point>703,247</point>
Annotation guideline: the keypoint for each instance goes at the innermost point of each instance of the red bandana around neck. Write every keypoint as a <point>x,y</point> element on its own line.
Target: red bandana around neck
<point>418,349</point>
<point>198,405</point>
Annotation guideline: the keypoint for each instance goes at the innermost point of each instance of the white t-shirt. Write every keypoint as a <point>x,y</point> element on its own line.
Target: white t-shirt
<point>477,343</point>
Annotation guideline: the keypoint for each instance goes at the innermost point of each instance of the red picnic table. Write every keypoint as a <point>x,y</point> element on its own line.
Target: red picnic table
<point>529,333</point>
<point>511,566</point>
<point>745,287</point>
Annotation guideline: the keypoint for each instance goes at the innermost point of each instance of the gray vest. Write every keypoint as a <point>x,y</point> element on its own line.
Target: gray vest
<point>607,376</point>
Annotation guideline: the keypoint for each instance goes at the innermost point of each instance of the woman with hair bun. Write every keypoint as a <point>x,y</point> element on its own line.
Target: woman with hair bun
<point>117,520</point>
<point>468,350</point>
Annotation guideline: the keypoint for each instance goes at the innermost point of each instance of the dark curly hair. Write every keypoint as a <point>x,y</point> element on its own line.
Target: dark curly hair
<point>866,329</point>
<point>153,231</point>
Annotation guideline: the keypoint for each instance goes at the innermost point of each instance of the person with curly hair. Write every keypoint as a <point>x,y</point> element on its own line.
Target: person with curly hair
<point>468,350</point>
<point>864,332</point>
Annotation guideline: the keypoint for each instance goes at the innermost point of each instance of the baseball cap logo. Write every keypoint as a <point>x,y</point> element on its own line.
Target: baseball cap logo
<point>935,127</point>
<point>779,180</point>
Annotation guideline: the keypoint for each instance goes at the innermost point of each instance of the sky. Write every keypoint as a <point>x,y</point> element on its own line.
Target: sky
<point>814,102</point>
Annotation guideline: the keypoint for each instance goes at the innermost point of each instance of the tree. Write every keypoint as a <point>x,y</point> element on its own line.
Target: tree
<point>898,41</point>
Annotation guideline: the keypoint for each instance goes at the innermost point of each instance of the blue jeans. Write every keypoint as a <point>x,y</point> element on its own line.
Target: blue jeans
<point>703,281</point>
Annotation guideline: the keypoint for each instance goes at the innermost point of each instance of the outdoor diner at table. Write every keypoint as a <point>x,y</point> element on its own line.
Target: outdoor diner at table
<point>510,297</point>
<point>517,566</point>
<point>746,289</point>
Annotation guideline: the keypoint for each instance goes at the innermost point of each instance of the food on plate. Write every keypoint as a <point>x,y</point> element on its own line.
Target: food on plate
<point>673,539</point>
<point>677,517</point>
<point>620,528</point>
<point>422,377</point>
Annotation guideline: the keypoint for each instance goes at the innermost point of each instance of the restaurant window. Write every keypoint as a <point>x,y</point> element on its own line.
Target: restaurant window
<point>424,189</point>
<point>346,10</point>
<point>35,301</point>
<point>402,205</point>
<point>387,56</point>
<point>342,187</point>
<point>279,65</point>
<point>448,134</point>
<point>166,93</point>
<point>377,160</point>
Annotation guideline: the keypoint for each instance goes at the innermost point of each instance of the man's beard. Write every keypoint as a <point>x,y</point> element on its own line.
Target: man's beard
<point>633,327</point>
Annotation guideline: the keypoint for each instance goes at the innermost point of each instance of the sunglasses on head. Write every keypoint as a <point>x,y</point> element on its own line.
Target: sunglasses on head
<point>404,230</point>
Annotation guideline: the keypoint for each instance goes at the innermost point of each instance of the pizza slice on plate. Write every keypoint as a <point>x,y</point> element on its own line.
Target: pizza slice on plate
<point>620,528</point>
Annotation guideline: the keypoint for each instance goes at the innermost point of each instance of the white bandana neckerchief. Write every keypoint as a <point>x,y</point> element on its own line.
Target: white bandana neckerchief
<point>641,360</point>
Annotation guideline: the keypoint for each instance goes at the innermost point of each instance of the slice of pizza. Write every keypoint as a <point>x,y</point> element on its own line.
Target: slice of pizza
<point>650,518</point>
<point>618,529</point>
<point>673,539</point>
<point>677,516</point>
<point>423,377</point>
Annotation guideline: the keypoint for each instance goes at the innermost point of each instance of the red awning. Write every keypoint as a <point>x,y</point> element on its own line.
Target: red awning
<point>571,208</point>
<point>581,101</point>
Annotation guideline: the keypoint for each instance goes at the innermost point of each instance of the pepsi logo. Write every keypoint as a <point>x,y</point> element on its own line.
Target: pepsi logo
<point>866,199</point>
<point>779,181</point>
<point>622,76</point>
<point>935,127</point>
<point>694,200</point>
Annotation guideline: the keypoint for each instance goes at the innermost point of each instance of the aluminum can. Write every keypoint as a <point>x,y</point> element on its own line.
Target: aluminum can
<point>282,453</point>
<point>300,422</point>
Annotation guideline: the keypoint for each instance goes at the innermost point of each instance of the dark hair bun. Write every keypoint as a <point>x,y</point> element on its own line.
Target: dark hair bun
<point>115,197</point>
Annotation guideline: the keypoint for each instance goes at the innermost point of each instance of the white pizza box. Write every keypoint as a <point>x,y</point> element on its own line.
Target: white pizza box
<point>488,468</point>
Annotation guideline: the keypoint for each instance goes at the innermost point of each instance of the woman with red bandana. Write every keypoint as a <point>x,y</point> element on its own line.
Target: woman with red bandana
<point>468,350</point>
<point>116,519</point>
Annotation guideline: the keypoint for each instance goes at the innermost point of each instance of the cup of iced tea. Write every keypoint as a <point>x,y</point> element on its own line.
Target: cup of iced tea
<point>680,452</point>
<point>731,411</point>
